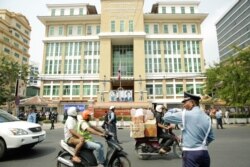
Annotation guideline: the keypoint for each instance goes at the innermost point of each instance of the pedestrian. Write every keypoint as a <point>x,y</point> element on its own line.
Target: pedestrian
<point>47,114</point>
<point>37,116</point>
<point>56,115</point>
<point>176,127</point>
<point>52,119</point>
<point>21,115</point>
<point>227,117</point>
<point>32,116</point>
<point>196,131</point>
<point>218,116</point>
<point>112,122</point>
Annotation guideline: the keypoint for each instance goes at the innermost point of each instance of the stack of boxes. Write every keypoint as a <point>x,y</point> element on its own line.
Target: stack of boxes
<point>143,124</point>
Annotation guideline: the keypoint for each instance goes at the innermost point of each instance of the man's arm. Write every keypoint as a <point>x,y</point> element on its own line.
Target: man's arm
<point>94,131</point>
<point>98,129</point>
<point>210,137</point>
<point>173,116</point>
<point>91,129</point>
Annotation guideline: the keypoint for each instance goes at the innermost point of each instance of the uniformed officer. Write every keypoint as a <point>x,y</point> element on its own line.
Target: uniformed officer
<point>196,131</point>
<point>112,122</point>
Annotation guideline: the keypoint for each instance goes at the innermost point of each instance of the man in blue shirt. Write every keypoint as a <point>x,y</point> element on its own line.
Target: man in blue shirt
<point>32,117</point>
<point>196,131</point>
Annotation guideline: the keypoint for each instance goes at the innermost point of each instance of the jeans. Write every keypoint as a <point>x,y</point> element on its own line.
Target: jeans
<point>167,139</point>
<point>98,147</point>
<point>219,123</point>
<point>198,158</point>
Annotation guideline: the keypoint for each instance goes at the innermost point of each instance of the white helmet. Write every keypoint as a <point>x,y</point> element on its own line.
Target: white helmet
<point>72,111</point>
<point>112,107</point>
<point>159,108</point>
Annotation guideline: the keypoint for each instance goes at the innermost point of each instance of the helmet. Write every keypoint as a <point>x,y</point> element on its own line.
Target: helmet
<point>86,114</point>
<point>159,108</point>
<point>72,111</point>
<point>112,107</point>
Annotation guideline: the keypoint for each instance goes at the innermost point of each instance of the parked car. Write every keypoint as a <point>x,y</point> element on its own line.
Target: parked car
<point>15,133</point>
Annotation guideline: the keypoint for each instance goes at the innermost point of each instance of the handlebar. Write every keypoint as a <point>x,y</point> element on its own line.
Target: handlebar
<point>108,135</point>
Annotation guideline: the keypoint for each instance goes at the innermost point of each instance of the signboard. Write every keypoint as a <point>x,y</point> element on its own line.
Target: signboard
<point>80,107</point>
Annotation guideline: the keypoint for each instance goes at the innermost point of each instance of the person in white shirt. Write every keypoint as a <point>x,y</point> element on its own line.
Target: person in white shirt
<point>218,116</point>
<point>227,117</point>
<point>70,134</point>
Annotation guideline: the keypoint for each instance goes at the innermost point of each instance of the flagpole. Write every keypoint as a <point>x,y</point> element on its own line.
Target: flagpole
<point>119,73</point>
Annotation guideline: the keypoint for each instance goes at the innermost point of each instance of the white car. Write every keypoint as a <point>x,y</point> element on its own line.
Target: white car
<point>15,133</point>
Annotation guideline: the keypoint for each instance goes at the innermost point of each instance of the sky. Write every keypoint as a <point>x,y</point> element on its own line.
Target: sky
<point>33,8</point>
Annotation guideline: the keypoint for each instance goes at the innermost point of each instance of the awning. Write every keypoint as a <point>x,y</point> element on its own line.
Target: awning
<point>36,100</point>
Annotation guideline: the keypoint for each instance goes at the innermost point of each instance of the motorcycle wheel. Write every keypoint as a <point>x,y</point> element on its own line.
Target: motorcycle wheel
<point>66,156</point>
<point>177,149</point>
<point>121,161</point>
<point>142,148</point>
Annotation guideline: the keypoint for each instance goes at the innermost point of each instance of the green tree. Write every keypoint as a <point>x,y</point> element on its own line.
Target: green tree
<point>229,80</point>
<point>10,71</point>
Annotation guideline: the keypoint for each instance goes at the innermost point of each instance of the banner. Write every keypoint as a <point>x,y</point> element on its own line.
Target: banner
<point>121,95</point>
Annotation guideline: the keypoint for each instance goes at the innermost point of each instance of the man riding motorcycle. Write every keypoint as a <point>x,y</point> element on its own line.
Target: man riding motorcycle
<point>86,129</point>
<point>163,131</point>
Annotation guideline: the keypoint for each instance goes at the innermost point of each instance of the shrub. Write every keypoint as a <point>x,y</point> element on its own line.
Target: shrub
<point>238,115</point>
<point>46,121</point>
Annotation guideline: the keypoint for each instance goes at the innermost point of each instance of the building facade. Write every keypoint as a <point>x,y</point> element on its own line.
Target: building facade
<point>122,55</point>
<point>14,36</point>
<point>34,73</point>
<point>233,29</point>
<point>33,85</point>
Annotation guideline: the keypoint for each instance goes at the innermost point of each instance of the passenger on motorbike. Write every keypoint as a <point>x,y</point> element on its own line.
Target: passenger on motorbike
<point>86,129</point>
<point>70,134</point>
<point>163,131</point>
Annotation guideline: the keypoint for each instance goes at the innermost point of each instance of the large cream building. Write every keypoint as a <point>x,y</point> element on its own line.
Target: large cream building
<point>15,32</point>
<point>122,56</point>
<point>14,36</point>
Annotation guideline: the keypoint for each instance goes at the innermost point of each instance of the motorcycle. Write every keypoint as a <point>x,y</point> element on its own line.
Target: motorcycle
<point>115,156</point>
<point>149,146</point>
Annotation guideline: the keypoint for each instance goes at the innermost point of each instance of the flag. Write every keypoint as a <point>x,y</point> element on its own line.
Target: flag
<point>119,72</point>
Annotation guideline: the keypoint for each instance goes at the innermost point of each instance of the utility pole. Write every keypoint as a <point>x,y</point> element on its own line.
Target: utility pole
<point>18,80</point>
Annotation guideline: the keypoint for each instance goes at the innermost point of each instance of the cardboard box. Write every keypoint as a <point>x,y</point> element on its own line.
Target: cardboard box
<point>137,120</point>
<point>149,115</point>
<point>137,130</point>
<point>150,128</point>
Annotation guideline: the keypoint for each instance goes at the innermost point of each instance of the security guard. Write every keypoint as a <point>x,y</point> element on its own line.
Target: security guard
<point>196,131</point>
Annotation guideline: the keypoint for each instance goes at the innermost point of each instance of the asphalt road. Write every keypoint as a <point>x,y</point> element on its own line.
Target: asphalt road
<point>230,149</point>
